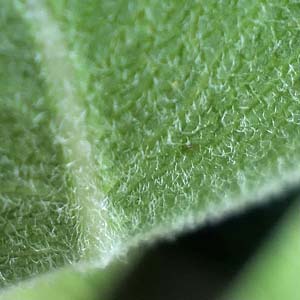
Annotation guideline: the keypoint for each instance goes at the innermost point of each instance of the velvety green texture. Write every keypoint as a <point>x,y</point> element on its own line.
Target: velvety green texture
<point>124,121</point>
<point>37,216</point>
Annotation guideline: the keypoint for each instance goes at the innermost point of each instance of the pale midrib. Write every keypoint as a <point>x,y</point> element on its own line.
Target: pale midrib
<point>71,132</point>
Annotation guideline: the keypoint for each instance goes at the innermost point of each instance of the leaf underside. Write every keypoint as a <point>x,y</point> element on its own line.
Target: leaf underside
<point>122,121</point>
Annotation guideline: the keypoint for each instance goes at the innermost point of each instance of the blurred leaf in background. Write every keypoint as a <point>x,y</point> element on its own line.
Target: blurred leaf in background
<point>274,272</point>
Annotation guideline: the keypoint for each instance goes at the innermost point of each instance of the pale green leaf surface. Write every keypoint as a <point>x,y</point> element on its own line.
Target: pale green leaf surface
<point>68,284</point>
<point>122,121</point>
<point>37,215</point>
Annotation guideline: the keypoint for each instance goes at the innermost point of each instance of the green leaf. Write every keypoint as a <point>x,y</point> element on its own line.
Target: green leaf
<point>125,121</point>
<point>38,223</point>
<point>67,284</point>
<point>280,257</point>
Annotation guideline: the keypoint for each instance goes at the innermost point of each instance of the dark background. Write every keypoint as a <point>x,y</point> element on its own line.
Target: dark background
<point>200,264</point>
